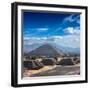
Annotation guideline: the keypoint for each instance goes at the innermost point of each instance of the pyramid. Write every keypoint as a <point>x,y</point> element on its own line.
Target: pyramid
<point>45,50</point>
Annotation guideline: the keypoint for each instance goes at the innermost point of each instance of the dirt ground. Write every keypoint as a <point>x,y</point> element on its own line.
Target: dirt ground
<point>53,70</point>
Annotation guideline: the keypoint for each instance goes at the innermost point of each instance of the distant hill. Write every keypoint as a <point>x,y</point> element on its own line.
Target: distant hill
<point>46,50</point>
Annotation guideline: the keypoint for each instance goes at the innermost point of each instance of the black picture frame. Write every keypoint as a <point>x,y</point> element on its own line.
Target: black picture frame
<point>14,43</point>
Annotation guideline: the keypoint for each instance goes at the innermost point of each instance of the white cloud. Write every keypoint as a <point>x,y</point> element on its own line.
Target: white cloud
<point>42,29</point>
<point>78,21</point>
<point>71,30</point>
<point>54,38</point>
<point>57,37</point>
<point>66,40</point>
<point>26,38</point>
<point>71,18</point>
<point>69,41</point>
<point>32,40</point>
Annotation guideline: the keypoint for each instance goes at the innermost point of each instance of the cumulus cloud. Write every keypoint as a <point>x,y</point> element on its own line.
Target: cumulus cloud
<point>71,30</point>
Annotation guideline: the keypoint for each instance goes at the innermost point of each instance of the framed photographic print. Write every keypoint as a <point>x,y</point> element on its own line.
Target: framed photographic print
<point>49,44</point>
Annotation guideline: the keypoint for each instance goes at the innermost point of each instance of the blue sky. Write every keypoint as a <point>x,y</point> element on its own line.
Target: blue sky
<point>43,27</point>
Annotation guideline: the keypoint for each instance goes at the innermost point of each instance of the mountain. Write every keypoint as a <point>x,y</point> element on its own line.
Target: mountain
<point>46,50</point>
